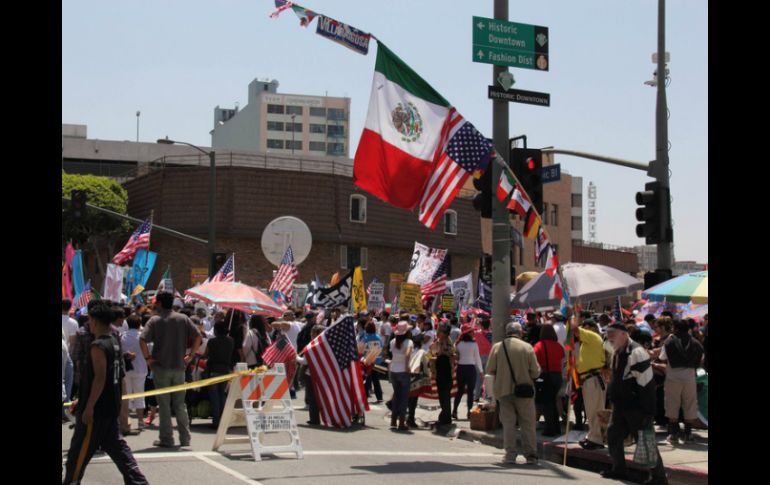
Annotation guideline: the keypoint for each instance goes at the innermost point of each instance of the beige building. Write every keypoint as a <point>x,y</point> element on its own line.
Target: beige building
<point>284,124</point>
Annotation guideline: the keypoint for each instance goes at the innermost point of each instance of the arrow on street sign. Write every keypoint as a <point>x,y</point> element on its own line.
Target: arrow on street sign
<point>480,54</point>
<point>480,25</point>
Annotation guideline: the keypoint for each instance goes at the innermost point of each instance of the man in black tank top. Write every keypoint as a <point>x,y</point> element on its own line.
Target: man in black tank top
<point>98,408</point>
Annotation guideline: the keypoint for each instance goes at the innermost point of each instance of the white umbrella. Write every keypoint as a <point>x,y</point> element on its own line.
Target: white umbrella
<point>586,282</point>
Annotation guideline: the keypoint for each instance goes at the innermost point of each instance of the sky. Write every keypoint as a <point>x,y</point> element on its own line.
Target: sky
<point>176,60</point>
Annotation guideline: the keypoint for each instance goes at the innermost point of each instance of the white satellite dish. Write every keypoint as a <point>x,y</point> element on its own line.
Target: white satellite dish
<point>283,232</point>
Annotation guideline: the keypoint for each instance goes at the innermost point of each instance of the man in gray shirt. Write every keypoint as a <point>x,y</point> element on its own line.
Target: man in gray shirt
<point>170,332</point>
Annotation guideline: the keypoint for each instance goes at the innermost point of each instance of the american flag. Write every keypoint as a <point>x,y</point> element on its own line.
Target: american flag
<point>437,284</point>
<point>140,239</point>
<point>280,6</point>
<point>281,352</point>
<point>286,274</point>
<point>465,153</point>
<point>227,271</point>
<point>84,297</point>
<point>336,370</point>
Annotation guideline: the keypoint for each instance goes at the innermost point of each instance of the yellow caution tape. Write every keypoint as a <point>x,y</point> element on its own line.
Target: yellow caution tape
<point>191,385</point>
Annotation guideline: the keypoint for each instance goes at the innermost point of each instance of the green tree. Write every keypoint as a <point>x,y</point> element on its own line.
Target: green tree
<point>95,229</point>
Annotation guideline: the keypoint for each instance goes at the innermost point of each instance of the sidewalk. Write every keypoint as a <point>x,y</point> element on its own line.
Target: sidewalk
<point>685,464</point>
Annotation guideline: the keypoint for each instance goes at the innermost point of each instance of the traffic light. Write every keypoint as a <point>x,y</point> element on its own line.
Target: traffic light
<point>217,261</point>
<point>527,165</point>
<point>650,213</point>
<point>78,203</point>
<point>483,200</point>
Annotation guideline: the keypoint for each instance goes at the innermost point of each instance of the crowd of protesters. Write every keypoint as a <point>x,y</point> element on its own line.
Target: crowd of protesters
<point>644,371</point>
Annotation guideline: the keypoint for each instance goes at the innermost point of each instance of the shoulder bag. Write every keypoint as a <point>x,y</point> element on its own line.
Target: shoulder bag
<point>519,390</point>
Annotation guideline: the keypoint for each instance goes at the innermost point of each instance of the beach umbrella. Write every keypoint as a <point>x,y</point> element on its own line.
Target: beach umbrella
<point>692,287</point>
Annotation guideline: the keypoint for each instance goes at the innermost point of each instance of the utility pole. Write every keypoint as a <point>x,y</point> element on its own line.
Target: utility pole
<point>501,227</point>
<point>665,256</point>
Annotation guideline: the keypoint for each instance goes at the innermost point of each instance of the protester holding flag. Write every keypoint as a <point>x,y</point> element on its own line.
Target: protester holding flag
<point>281,352</point>
<point>591,361</point>
<point>372,343</point>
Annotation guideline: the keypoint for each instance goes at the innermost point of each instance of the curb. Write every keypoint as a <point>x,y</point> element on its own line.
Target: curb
<point>591,460</point>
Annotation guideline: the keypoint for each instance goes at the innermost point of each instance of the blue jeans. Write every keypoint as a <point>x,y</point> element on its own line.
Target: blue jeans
<point>69,371</point>
<point>167,378</point>
<point>217,396</point>
<point>400,381</point>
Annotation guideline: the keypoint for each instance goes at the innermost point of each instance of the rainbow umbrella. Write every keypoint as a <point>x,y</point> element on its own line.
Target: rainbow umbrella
<point>692,287</point>
<point>238,296</point>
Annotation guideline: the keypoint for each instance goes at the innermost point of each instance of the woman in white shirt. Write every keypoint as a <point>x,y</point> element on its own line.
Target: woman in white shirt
<point>401,351</point>
<point>468,367</point>
<point>135,378</point>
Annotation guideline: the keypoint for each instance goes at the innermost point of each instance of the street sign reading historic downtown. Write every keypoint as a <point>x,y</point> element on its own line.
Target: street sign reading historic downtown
<point>519,96</point>
<point>510,44</point>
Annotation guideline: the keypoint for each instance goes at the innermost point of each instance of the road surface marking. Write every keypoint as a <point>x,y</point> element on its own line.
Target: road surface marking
<point>229,471</point>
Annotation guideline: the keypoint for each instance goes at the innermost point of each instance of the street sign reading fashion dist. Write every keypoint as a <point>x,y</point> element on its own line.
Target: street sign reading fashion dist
<point>510,44</point>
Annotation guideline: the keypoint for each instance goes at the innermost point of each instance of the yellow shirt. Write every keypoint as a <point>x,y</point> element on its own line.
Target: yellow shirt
<point>591,351</point>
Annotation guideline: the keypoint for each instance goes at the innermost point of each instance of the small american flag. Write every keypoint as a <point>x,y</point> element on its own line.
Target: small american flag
<point>286,274</point>
<point>465,153</point>
<point>227,271</point>
<point>84,297</point>
<point>281,352</point>
<point>336,370</point>
<point>140,239</point>
<point>437,284</point>
<point>280,6</point>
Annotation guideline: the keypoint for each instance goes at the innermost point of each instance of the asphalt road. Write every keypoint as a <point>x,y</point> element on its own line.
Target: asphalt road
<point>357,456</point>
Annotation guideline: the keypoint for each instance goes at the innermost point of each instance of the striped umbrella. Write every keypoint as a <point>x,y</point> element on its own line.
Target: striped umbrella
<point>682,289</point>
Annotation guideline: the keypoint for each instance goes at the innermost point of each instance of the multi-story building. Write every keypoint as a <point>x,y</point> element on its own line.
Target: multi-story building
<point>280,123</point>
<point>684,267</point>
<point>648,257</point>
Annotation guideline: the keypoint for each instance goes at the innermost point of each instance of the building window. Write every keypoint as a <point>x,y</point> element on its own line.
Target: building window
<point>275,144</point>
<point>544,215</point>
<point>294,110</point>
<point>577,200</point>
<point>297,145</point>
<point>335,148</point>
<point>275,108</point>
<point>334,130</point>
<point>554,215</point>
<point>317,111</point>
<point>297,127</point>
<point>577,223</point>
<point>317,128</point>
<point>450,222</point>
<point>317,146</point>
<point>351,256</point>
<point>274,126</point>
<point>336,114</point>
<point>357,208</point>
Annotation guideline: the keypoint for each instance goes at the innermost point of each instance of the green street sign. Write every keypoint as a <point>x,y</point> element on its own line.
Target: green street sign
<point>510,44</point>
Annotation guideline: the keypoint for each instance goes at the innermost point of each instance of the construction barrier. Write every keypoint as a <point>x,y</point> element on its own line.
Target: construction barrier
<point>265,408</point>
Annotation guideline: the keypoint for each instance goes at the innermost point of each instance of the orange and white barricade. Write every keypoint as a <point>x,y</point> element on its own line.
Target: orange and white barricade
<point>266,408</point>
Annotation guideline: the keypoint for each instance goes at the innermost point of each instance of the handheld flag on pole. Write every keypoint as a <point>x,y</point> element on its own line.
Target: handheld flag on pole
<point>140,239</point>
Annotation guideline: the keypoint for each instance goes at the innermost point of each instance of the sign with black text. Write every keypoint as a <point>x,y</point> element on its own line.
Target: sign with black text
<point>519,96</point>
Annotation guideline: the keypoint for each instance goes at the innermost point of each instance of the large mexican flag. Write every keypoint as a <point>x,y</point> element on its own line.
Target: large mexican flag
<point>398,147</point>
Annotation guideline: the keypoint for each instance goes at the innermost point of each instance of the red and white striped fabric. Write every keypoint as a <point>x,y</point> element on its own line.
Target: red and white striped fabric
<point>437,285</point>
<point>552,263</point>
<point>336,371</point>
<point>464,152</point>
<point>83,298</point>
<point>281,351</point>
<point>227,271</point>
<point>140,239</point>
<point>287,273</point>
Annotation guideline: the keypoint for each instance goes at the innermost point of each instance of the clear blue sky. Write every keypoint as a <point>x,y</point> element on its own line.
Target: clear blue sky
<point>175,60</point>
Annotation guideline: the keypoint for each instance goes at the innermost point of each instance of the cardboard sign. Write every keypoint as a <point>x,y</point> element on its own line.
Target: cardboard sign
<point>447,302</point>
<point>377,296</point>
<point>411,298</point>
<point>198,275</point>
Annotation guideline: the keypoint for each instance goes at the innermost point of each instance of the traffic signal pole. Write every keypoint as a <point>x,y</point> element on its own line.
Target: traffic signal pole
<point>501,232</point>
<point>665,256</point>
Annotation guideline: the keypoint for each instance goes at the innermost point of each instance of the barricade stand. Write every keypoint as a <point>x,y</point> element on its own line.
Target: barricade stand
<point>266,408</point>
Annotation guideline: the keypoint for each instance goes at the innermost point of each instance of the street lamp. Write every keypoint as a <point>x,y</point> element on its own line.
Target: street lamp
<point>292,133</point>
<point>212,198</point>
